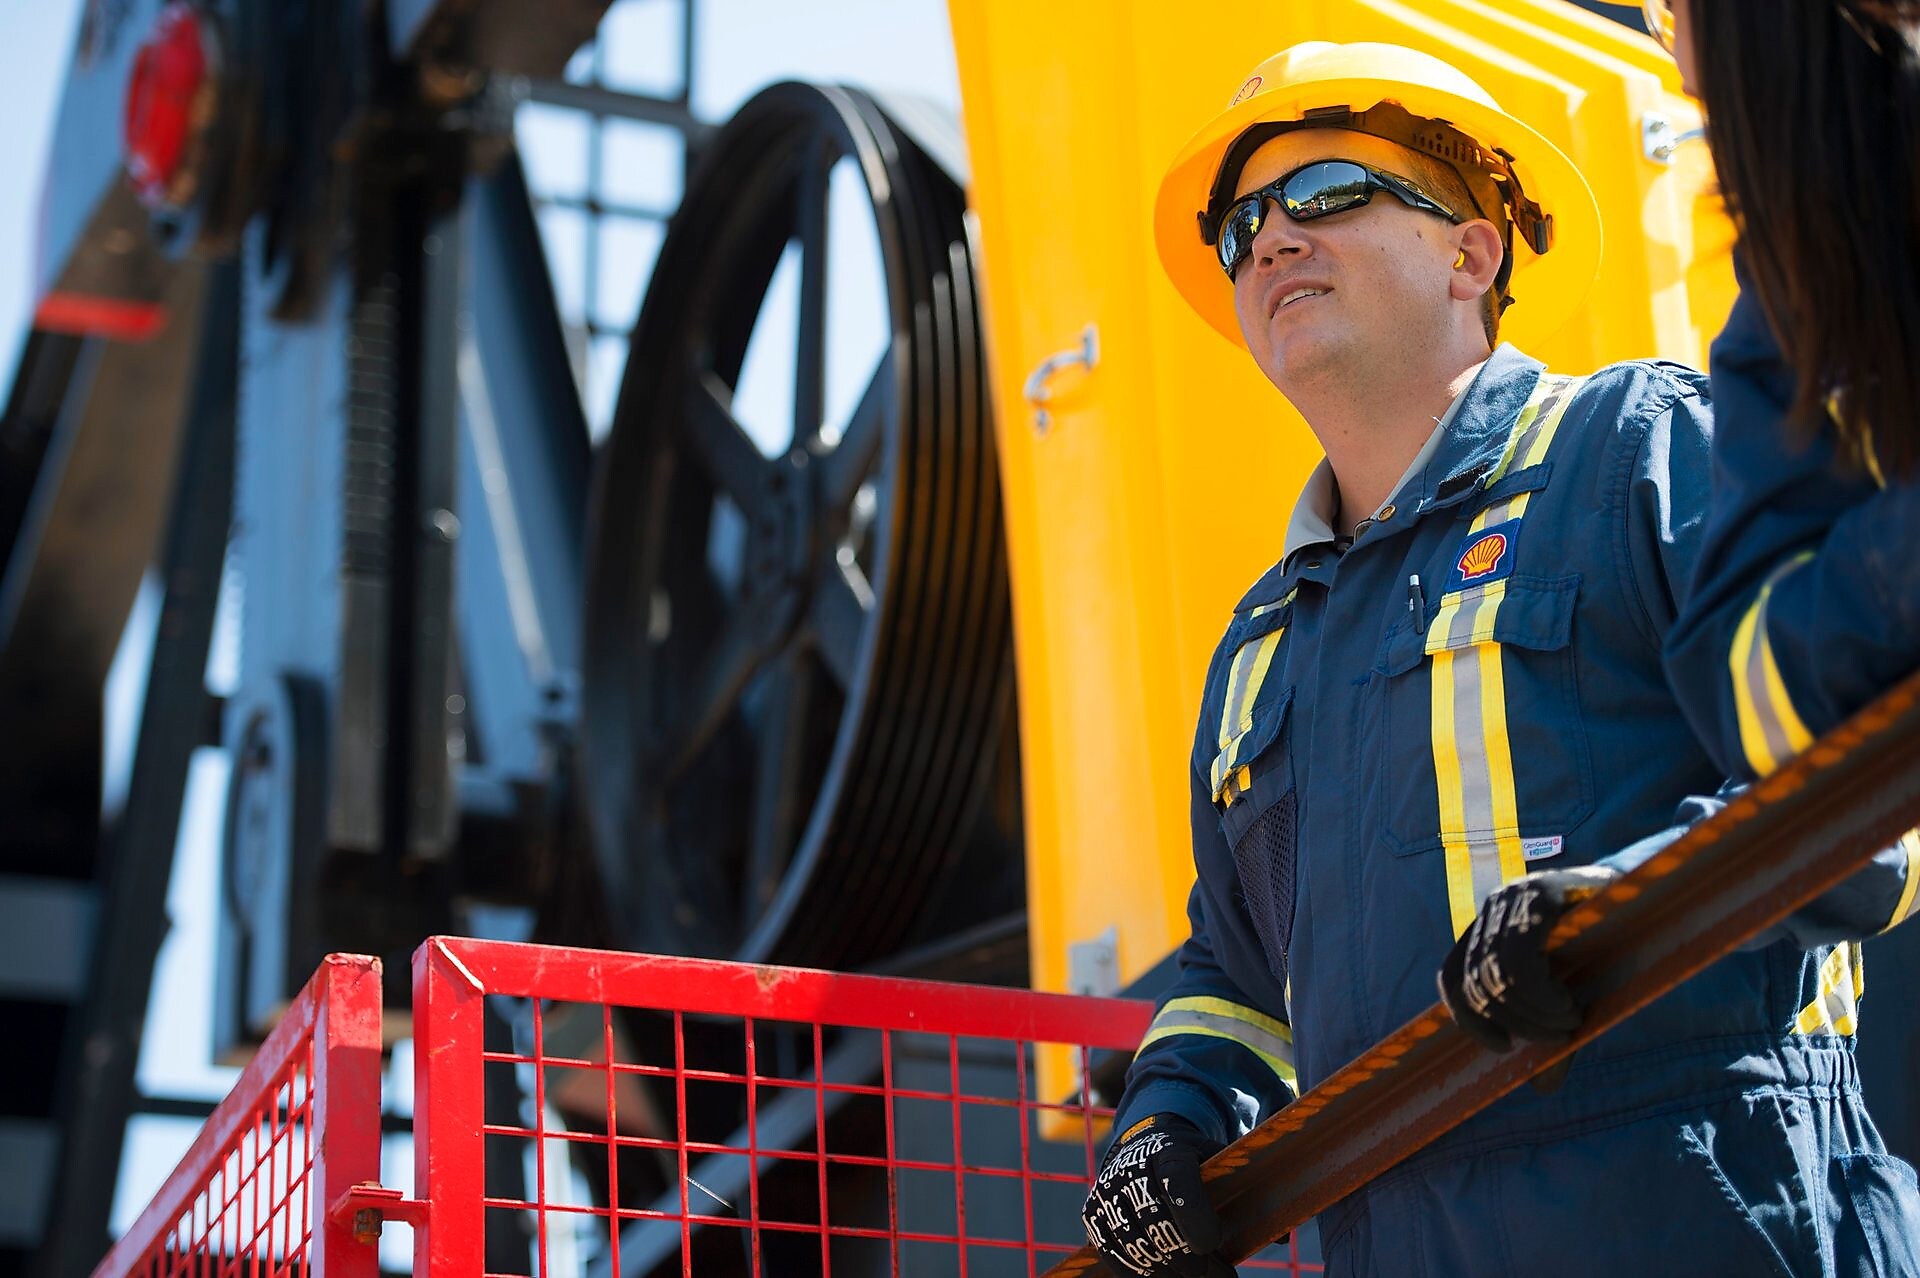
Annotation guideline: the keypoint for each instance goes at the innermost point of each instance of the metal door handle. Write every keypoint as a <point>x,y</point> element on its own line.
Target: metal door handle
<point>1038,392</point>
<point>1661,138</point>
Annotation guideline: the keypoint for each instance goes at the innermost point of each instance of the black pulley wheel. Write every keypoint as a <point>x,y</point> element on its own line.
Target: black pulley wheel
<point>798,653</point>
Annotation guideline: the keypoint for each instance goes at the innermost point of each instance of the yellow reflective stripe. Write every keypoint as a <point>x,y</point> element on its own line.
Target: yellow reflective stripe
<point>1771,730</point>
<point>1843,979</point>
<point>1239,1012</point>
<point>1245,677</point>
<point>1261,610</point>
<point>1533,429</point>
<point>1473,765</point>
<point>1869,455</point>
<point>1246,674</point>
<point>1265,1037</point>
<point>1909,897</point>
<point>1446,772</point>
<point>1262,662</point>
<point>1445,632</point>
<point>1511,862</point>
<point>1472,751</point>
<point>1522,426</point>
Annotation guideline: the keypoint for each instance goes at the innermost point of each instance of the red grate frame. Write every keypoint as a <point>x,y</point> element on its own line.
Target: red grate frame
<point>454,977</point>
<point>300,1128</point>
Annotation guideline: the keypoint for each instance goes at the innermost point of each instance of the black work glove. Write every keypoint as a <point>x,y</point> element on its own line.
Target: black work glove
<point>1497,981</point>
<point>1147,1212</point>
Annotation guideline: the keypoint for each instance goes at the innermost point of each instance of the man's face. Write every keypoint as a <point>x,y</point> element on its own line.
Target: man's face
<point>1379,274</point>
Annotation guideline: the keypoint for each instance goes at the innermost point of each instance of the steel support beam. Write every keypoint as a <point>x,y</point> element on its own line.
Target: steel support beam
<point>103,1042</point>
<point>493,35</point>
<point>1788,839</point>
<point>596,100</point>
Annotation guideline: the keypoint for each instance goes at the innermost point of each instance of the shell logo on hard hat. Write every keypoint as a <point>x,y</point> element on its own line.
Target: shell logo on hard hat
<point>1247,90</point>
<point>1483,556</point>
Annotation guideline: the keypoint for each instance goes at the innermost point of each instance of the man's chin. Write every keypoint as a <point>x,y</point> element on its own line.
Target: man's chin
<point>1300,357</point>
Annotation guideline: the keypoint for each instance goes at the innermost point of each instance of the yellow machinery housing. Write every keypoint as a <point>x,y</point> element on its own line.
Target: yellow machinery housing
<point>1149,470</point>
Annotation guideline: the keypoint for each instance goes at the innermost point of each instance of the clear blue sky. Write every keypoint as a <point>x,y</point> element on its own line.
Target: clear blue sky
<point>898,45</point>
<point>33,62</point>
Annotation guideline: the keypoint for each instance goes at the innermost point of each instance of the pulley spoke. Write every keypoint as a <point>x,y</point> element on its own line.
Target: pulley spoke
<point>842,601</point>
<point>810,357</point>
<point>847,466</point>
<point>721,449</point>
<point>780,750</point>
<point>731,659</point>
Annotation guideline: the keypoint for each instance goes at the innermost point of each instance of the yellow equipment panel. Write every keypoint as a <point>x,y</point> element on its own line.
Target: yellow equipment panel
<point>1159,485</point>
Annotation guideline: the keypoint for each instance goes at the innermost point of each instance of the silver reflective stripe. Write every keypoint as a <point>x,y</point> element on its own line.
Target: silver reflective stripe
<point>1842,980</point>
<point>1241,1032</point>
<point>1265,1037</point>
<point>1779,741</point>
<point>1476,779</point>
<point>1771,730</point>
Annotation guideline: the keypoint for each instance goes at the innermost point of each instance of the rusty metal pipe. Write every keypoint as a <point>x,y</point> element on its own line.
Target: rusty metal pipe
<point>1788,839</point>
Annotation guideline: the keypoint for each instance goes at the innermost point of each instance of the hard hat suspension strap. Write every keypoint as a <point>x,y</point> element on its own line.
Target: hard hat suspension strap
<point>1488,173</point>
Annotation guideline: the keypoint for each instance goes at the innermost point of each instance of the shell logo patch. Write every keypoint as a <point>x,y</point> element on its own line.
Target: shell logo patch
<point>1483,556</point>
<point>1247,90</point>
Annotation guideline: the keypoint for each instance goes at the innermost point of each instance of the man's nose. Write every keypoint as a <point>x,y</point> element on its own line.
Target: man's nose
<point>1279,236</point>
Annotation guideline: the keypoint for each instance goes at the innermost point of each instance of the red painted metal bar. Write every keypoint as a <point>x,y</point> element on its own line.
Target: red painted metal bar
<point>706,987</point>
<point>1791,837</point>
<point>303,1121</point>
<point>343,1135</point>
<point>448,1113</point>
<point>107,317</point>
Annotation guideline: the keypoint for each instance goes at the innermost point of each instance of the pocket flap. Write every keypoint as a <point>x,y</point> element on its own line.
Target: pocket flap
<point>1251,743</point>
<point>1523,612</point>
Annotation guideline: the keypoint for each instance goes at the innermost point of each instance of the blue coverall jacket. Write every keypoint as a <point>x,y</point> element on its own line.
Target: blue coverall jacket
<point>1805,602</point>
<point>1373,759</point>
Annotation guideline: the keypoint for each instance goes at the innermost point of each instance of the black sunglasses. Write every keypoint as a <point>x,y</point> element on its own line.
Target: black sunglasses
<point>1320,189</point>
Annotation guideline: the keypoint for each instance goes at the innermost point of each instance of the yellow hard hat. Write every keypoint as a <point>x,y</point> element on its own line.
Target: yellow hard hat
<point>1422,103</point>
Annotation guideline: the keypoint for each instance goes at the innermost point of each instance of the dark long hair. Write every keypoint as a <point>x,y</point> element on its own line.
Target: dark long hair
<point>1813,115</point>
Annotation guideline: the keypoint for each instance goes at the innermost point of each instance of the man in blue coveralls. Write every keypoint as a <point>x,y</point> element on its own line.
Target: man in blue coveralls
<point>1442,715</point>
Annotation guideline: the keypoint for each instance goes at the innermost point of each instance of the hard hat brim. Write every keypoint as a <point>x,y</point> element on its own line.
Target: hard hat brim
<point>1548,288</point>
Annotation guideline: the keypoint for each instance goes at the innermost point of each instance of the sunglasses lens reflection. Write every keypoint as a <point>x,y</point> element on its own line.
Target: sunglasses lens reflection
<point>1321,189</point>
<point>1237,231</point>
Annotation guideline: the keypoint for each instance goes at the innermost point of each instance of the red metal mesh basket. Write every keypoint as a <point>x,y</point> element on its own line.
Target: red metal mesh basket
<point>696,1118</point>
<point>299,1128</point>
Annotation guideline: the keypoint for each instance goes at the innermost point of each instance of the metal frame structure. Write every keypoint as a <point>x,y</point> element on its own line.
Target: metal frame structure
<point>298,1132</point>
<point>352,320</point>
<point>600,104</point>
<point>443,309</point>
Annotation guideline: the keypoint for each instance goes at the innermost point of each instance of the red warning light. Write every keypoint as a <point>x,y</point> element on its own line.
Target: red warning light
<point>167,99</point>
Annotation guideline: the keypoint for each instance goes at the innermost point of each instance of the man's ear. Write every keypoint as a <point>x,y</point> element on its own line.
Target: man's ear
<point>1477,259</point>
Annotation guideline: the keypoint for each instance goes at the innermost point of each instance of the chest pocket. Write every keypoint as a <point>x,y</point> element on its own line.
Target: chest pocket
<point>1490,684</point>
<point>1256,798</point>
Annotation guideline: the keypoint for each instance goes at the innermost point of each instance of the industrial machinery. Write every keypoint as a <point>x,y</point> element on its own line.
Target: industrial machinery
<point>731,682</point>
